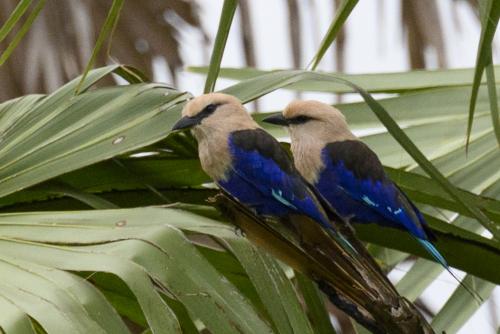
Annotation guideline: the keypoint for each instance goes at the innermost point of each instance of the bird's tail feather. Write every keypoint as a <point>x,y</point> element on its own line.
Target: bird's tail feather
<point>434,252</point>
<point>441,260</point>
<point>342,240</point>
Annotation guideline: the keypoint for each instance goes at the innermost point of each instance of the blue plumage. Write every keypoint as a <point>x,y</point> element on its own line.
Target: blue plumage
<point>263,177</point>
<point>355,185</point>
<point>367,200</point>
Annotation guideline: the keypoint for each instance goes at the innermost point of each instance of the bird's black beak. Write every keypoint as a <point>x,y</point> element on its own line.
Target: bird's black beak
<point>277,119</point>
<point>186,123</point>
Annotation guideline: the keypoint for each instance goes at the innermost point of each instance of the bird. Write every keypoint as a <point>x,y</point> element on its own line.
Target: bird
<point>347,173</point>
<point>252,167</point>
<point>247,162</point>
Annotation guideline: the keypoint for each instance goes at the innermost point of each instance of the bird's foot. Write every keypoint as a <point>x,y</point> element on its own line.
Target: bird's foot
<point>239,232</point>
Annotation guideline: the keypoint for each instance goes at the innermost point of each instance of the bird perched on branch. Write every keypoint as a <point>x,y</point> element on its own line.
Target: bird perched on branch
<point>250,164</point>
<point>349,176</point>
<point>247,162</point>
<point>347,173</point>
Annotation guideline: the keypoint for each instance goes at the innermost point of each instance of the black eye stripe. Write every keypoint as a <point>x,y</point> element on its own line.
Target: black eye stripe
<point>210,108</point>
<point>299,119</point>
<point>207,111</point>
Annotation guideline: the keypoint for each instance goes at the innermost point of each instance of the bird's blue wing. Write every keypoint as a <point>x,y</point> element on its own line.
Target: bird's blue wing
<point>355,181</point>
<point>353,171</point>
<point>263,177</point>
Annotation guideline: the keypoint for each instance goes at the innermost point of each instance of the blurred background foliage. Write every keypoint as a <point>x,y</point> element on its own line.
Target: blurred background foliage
<point>60,42</point>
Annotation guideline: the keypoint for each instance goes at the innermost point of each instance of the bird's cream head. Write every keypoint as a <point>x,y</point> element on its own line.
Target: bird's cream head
<point>212,118</point>
<point>214,112</point>
<point>313,119</point>
<point>312,125</point>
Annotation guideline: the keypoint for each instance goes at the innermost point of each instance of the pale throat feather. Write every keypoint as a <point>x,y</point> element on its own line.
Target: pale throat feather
<point>306,152</point>
<point>213,143</point>
<point>213,150</point>
<point>308,141</point>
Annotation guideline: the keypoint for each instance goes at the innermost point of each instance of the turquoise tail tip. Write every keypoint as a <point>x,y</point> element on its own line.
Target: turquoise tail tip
<point>439,258</point>
<point>434,252</point>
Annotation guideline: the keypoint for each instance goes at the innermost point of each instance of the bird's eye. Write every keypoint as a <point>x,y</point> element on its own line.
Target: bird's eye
<point>210,108</point>
<point>207,111</point>
<point>300,119</point>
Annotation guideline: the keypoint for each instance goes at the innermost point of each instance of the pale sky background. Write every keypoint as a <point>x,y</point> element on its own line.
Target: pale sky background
<point>372,45</point>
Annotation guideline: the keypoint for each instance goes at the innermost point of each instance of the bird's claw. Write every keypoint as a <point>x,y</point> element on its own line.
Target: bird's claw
<point>239,232</point>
